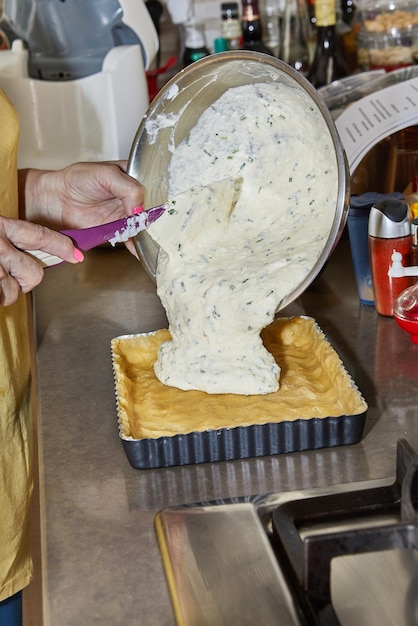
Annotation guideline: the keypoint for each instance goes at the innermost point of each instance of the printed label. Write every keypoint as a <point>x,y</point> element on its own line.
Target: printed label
<point>377,116</point>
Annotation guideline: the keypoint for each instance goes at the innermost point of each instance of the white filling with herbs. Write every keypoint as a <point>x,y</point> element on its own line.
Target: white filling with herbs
<point>259,173</point>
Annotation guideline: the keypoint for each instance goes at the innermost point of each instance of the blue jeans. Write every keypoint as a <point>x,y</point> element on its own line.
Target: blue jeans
<point>11,611</point>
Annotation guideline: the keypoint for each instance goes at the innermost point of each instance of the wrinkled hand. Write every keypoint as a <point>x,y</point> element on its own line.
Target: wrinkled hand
<point>19,272</point>
<point>80,195</point>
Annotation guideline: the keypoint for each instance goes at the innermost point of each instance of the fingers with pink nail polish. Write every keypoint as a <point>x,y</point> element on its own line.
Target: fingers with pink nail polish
<point>78,255</point>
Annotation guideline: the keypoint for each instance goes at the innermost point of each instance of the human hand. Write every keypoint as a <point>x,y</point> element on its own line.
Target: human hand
<point>80,195</point>
<point>19,272</point>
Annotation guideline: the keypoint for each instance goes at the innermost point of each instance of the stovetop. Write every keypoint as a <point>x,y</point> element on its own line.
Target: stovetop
<point>325,557</point>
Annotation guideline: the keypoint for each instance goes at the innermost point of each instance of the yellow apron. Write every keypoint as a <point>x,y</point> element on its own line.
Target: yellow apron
<point>15,394</point>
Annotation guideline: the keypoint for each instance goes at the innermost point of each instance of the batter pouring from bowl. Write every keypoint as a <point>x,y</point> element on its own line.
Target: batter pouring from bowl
<point>257,178</point>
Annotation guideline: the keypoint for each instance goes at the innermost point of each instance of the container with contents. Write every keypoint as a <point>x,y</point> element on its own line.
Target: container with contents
<point>405,308</point>
<point>305,124</point>
<point>389,230</point>
<point>244,236</point>
<point>388,37</point>
<point>405,311</point>
<point>317,405</point>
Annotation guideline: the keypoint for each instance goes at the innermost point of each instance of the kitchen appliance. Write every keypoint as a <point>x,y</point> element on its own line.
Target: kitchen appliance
<point>76,75</point>
<point>343,555</point>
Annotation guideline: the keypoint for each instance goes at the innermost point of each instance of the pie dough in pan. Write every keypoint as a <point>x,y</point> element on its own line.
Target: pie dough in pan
<point>318,404</point>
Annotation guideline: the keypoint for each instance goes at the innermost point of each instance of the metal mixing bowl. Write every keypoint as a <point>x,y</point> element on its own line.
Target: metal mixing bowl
<point>183,99</point>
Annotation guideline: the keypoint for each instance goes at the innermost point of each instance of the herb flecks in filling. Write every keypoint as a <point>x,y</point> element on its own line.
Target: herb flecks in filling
<point>257,178</point>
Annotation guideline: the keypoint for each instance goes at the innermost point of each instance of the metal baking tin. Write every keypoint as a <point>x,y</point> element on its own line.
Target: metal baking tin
<point>242,442</point>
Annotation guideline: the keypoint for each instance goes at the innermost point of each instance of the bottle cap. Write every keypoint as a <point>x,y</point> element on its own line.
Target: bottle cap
<point>389,219</point>
<point>230,10</point>
<point>220,44</point>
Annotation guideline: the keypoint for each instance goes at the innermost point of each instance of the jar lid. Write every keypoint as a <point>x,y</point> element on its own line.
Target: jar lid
<point>386,5</point>
<point>220,44</point>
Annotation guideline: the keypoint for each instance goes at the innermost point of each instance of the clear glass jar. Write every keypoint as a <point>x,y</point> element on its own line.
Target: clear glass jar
<point>388,36</point>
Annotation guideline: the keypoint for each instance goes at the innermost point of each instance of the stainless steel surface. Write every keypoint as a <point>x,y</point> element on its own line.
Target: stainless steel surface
<point>183,99</point>
<point>222,572</point>
<point>223,569</point>
<point>101,561</point>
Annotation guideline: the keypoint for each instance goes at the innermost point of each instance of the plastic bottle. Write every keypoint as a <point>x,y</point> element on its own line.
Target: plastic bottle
<point>231,25</point>
<point>252,30</point>
<point>328,63</point>
<point>358,224</point>
<point>194,43</point>
<point>389,230</point>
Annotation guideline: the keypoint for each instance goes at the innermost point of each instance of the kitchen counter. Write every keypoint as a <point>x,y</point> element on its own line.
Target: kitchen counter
<point>101,562</point>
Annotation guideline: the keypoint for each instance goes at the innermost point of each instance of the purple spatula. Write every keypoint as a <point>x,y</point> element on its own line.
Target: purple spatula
<point>113,232</point>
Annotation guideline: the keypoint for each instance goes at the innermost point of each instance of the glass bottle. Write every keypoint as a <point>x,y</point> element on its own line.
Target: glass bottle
<point>231,25</point>
<point>311,12</point>
<point>348,26</point>
<point>271,12</point>
<point>252,31</point>
<point>296,35</point>
<point>328,63</point>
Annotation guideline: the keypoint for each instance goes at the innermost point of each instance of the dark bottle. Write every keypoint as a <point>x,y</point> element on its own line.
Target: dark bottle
<point>328,63</point>
<point>348,12</point>
<point>311,12</point>
<point>252,31</point>
<point>348,27</point>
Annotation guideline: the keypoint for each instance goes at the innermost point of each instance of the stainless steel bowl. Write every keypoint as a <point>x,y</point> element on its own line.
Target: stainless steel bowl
<point>183,99</point>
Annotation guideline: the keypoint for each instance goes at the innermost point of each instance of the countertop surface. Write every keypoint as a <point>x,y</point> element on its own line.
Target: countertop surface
<point>101,561</point>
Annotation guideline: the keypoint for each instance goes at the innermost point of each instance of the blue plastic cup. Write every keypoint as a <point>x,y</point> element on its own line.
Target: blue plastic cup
<point>357,222</point>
